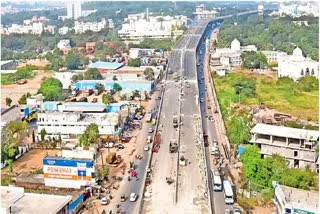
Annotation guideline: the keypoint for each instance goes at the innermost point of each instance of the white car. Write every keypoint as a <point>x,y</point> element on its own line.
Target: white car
<point>236,211</point>
<point>146,148</point>
<point>104,201</point>
<point>133,197</point>
<point>150,130</point>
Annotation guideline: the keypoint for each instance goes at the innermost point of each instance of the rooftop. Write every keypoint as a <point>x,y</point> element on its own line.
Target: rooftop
<point>84,107</point>
<point>28,203</point>
<point>5,62</point>
<point>282,131</point>
<point>105,65</point>
<point>300,198</point>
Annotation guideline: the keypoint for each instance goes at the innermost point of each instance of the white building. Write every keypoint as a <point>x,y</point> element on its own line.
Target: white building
<point>15,201</point>
<point>63,30</point>
<point>64,43</point>
<point>140,26</point>
<point>292,200</point>
<point>74,9</point>
<point>74,122</point>
<point>82,27</point>
<point>110,23</point>
<point>37,28</point>
<point>302,8</point>
<point>202,13</point>
<point>297,146</point>
<point>274,56</point>
<point>296,66</point>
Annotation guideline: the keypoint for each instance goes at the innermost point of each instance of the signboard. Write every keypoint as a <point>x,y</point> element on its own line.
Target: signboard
<point>298,211</point>
<point>67,169</point>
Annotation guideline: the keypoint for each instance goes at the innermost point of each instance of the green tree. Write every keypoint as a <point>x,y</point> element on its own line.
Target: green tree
<point>8,101</point>
<point>308,83</point>
<point>24,73</point>
<point>90,135</point>
<point>246,87</point>
<point>103,172</point>
<point>117,87</point>
<point>43,133</point>
<point>239,131</point>
<point>51,89</point>
<point>72,60</point>
<point>77,77</point>
<point>107,99</point>
<point>23,99</point>
<point>100,88</point>
<point>92,74</point>
<point>134,62</point>
<point>149,74</point>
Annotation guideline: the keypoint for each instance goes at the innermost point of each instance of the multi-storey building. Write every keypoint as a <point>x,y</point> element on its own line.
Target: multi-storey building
<point>273,56</point>
<point>74,9</point>
<point>297,146</point>
<point>82,27</point>
<point>73,122</point>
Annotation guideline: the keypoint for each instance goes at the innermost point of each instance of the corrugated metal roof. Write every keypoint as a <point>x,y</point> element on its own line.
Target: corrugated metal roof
<point>105,65</point>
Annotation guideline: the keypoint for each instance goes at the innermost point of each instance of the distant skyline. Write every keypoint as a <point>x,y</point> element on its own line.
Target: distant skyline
<point>31,1</point>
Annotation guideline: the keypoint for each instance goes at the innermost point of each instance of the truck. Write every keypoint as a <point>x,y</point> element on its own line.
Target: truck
<point>175,121</point>
<point>149,117</point>
<point>173,146</point>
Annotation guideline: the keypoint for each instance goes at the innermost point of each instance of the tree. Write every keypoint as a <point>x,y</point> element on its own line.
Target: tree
<point>149,74</point>
<point>8,101</point>
<point>43,133</point>
<point>77,77</point>
<point>100,87</point>
<point>23,99</point>
<point>117,87</point>
<point>252,59</point>
<point>90,135</point>
<point>103,172</point>
<point>114,78</point>
<point>92,74</point>
<point>24,73</point>
<point>308,83</point>
<point>72,60</point>
<point>245,86</point>
<point>107,99</point>
<point>51,89</point>
<point>134,62</point>
<point>239,131</point>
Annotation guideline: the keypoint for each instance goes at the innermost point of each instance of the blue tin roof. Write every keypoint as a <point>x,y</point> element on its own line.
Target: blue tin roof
<point>105,65</point>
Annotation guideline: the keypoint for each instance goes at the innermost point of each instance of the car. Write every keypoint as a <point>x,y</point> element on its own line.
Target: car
<point>159,98</point>
<point>150,130</point>
<point>201,100</point>
<point>227,211</point>
<point>215,143</point>
<point>133,197</point>
<point>94,100</point>
<point>104,201</point>
<point>211,119</point>
<point>125,139</point>
<point>146,148</point>
<point>236,210</point>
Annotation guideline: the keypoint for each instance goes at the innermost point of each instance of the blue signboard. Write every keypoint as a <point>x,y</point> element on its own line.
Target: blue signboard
<point>66,162</point>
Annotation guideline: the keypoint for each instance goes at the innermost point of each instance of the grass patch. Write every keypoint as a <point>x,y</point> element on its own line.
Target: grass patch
<point>7,79</point>
<point>247,203</point>
<point>276,95</point>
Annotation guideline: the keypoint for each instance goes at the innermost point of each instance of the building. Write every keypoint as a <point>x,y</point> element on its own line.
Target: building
<point>82,27</point>
<point>90,47</point>
<point>8,65</point>
<point>292,200</point>
<point>64,43</point>
<point>74,9</point>
<point>105,66</point>
<point>139,26</point>
<point>296,66</point>
<point>202,13</point>
<point>299,9</point>
<point>15,201</point>
<point>110,24</point>
<point>297,146</point>
<point>67,123</point>
<point>127,85</point>
<point>63,30</point>
<point>274,56</point>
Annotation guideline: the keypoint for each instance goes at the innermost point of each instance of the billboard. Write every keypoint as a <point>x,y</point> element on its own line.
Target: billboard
<point>67,169</point>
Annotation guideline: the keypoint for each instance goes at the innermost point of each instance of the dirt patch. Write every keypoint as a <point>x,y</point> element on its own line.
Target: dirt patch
<point>262,210</point>
<point>35,62</point>
<point>32,160</point>
<point>15,91</point>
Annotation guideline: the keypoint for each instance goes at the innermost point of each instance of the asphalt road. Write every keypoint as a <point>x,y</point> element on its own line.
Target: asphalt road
<point>136,185</point>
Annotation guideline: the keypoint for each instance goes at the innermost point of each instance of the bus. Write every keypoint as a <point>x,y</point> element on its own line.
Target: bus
<point>228,192</point>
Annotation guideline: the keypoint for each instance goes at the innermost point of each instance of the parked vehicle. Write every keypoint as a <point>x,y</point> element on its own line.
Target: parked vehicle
<point>150,130</point>
<point>83,99</point>
<point>104,201</point>
<point>148,140</point>
<point>175,121</point>
<point>146,148</point>
<point>123,198</point>
<point>133,197</point>
<point>125,139</point>
<point>228,192</point>
<point>149,117</point>
<point>119,146</point>
<point>94,100</point>
<point>217,183</point>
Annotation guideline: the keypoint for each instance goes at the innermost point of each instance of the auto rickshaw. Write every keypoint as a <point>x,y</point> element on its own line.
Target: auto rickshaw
<point>123,198</point>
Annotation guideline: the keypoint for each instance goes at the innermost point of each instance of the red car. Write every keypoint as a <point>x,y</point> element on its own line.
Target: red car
<point>126,139</point>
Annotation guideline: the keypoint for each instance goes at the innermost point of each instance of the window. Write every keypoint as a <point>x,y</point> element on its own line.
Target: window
<point>295,153</point>
<point>312,71</point>
<point>302,72</point>
<point>307,71</point>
